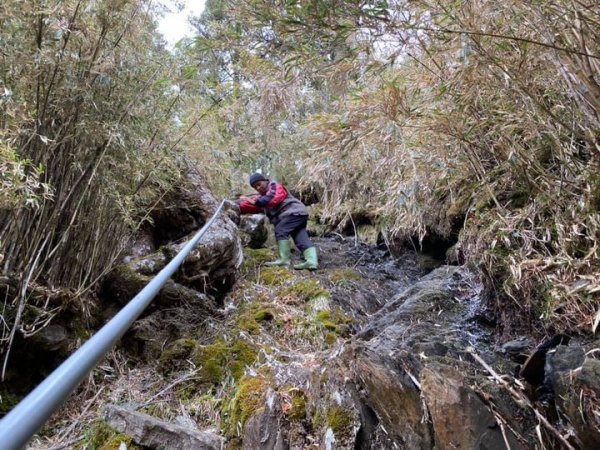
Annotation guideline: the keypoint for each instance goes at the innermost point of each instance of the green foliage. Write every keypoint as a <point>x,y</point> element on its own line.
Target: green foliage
<point>19,180</point>
<point>456,129</point>
<point>88,139</point>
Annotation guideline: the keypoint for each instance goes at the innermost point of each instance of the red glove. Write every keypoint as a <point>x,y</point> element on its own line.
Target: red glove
<point>248,208</point>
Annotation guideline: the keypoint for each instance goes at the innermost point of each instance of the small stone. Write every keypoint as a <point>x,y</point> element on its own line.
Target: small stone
<point>517,346</point>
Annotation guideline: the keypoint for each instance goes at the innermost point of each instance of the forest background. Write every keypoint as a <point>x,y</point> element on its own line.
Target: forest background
<point>474,121</point>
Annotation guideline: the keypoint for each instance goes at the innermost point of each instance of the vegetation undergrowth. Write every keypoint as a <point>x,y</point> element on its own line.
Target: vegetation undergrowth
<point>475,124</point>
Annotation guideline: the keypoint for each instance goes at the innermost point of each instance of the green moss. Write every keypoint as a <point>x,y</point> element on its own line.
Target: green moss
<point>273,276</point>
<point>216,359</point>
<point>255,257</point>
<point>297,411</point>
<point>333,320</point>
<point>174,356</point>
<point>306,290</point>
<point>264,315</point>
<point>318,419</point>
<point>243,355</point>
<point>324,315</point>
<point>253,313</point>
<point>330,338</point>
<point>248,324</point>
<point>100,436</point>
<point>8,400</point>
<point>248,400</point>
<point>212,360</point>
<point>339,419</point>
<point>114,443</point>
<point>325,318</point>
<point>344,276</point>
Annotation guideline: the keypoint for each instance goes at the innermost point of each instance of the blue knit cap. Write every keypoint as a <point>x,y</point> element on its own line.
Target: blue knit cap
<point>255,178</point>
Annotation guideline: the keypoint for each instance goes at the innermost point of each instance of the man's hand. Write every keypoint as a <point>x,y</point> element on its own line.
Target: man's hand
<point>250,200</point>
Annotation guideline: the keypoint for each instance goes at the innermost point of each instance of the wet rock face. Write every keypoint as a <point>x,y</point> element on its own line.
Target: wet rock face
<point>460,418</point>
<point>412,367</point>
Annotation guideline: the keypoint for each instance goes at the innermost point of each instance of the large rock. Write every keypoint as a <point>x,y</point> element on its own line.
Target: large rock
<point>209,268</point>
<point>265,429</point>
<point>156,434</point>
<point>410,366</point>
<point>254,230</point>
<point>575,380</point>
<point>195,290</point>
<point>460,418</point>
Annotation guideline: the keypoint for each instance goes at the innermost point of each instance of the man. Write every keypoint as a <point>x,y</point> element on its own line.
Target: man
<point>287,214</point>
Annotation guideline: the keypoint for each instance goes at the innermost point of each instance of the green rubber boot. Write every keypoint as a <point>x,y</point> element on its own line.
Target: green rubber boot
<point>285,254</point>
<point>311,260</point>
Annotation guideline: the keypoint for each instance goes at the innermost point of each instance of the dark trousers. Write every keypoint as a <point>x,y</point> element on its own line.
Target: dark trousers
<point>294,226</point>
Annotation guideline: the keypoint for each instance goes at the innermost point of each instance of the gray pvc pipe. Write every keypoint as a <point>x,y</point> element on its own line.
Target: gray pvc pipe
<point>17,427</point>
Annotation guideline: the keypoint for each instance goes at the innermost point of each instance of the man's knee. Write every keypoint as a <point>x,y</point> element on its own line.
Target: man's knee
<point>281,236</point>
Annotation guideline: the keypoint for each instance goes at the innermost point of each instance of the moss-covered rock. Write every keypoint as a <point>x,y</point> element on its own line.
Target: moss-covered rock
<point>214,361</point>
<point>339,419</point>
<point>264,315</point>
<point>334,320</point>
<point>253,314</point>
<point>249,399</point>
<point>219,358</point>
<point>330,338</point>
<point>174,357</point>
<point>325,318</point>
<point>297,410</point>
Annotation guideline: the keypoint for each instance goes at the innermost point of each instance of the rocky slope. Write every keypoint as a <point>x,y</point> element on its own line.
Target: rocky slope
<point>368,352</point>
